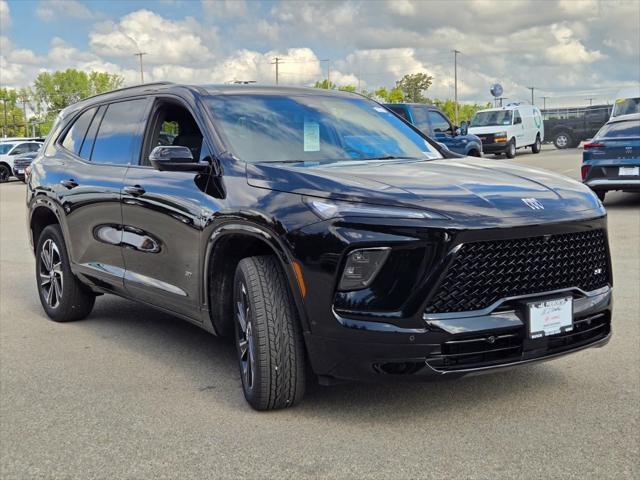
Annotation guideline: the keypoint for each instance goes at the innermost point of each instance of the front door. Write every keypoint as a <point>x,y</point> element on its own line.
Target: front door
<point>162,217</point>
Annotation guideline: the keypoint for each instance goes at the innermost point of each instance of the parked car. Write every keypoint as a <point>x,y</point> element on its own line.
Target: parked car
<point>434,123</point>
<point>315,228</point>
<point>21,164</point>
<point>627,102</point>
<point>567,127</point>
<point>505,129</point>
<point>9,150</point>
<point>611,161</point>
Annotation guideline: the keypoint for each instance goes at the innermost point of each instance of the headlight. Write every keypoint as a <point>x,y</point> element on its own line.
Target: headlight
<point>361,267</point>
<point>500,137</point>
<point>326,209</point>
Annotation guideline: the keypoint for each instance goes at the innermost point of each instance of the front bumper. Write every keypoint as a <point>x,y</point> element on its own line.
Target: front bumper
<point>497,147</point>
<point>451,346</point>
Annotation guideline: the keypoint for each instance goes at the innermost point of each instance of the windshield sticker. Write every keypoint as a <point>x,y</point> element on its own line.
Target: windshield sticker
<point>381,109</point>
<point>311,137</point>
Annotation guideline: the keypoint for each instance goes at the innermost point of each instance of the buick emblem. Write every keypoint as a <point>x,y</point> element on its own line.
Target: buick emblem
<point>533,203</point>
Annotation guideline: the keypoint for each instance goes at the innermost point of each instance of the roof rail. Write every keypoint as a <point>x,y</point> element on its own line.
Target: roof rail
<point>130,88</point>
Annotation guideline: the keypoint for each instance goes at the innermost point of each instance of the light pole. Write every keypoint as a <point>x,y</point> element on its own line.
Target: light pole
<point>139,55</point>
<point>276,62</point>
<point>532,89</point>
<point>455,81</point>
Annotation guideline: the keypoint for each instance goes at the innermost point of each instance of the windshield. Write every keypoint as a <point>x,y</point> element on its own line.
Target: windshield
<point>626,106</point>
<point>4,148</point>
<point>314,128</point>
<point>490,118</point>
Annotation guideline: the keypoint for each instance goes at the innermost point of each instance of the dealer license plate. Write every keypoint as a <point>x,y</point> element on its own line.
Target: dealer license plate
<point>550,317</point>
<point>629,171</point>
<point>20,171</point>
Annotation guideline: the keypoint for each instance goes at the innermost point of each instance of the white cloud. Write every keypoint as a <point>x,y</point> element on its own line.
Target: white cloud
<point>52,9</point>
<point>164,41</point>
<point>5,15</point>
<point>568,50</point>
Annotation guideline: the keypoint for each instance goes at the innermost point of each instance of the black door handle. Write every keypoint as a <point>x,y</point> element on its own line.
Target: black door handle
<point>71,183</point>
<point>134,190</point>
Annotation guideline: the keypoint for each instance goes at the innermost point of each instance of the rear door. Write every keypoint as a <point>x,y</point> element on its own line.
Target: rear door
<point>97,150</point>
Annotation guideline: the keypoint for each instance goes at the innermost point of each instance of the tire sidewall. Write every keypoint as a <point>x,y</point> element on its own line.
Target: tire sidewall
<point>569,140</point>
<point>54,233</point>
<point>510,151</point>
<point>5,173</point>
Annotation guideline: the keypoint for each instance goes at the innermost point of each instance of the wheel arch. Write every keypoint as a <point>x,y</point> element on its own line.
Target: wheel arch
<point>41,215</point>
<point>227,245</point>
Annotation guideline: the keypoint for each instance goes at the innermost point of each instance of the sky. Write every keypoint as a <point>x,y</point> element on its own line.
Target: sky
<point>570,51</point>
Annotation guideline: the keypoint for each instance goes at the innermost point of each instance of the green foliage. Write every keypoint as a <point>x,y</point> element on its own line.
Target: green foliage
<point>11,113</point>
<point>395,95</point>
<point>347,88</point>
<point>325,84</point>
<point>465,110</point>
<point>57,90</point>
<point>413,85</point>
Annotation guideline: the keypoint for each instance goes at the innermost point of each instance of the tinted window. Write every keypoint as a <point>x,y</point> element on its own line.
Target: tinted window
<point>620,130</point>
<point>491,118</point>
<point>516,117</point>
<point>315,128</point>
<point>75,135</point>
<point>439,123</point>
<point>400,111</point>
<point>421,119</point>
<point>20,149</point>
<point>5,147</point>
<point>34,147</point>
<point>90,137</point>
<point>120,134</point>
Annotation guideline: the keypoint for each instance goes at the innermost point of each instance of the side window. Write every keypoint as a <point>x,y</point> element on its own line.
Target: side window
<point>75,135</point>
<point>516,117</point>
<point>34,147</point>
<point>439,123</point>
<point>421,119</point>
<point>120,134</point>
<point>90,137</point>
<point>400,111</point>
<point>173,124</point>
<point>20,149</point>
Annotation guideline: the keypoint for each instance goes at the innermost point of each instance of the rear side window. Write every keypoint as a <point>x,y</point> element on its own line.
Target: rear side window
<point>120,133</point>
<point>620,130</point>
<point>75,135</point>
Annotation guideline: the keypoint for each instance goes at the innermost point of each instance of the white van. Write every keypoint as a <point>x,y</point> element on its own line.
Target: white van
<point>504,129</point>
<point>627,102</point>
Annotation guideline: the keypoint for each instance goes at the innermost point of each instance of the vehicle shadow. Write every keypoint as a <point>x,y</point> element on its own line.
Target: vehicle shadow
<point>208,363</point>
<point>622,200</point>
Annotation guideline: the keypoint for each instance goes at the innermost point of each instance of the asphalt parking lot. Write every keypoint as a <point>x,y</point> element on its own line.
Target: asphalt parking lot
<point>134,393</point>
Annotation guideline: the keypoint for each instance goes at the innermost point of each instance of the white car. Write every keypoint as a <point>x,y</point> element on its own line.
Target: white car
<point>9,151</point>
<point>505,129</point>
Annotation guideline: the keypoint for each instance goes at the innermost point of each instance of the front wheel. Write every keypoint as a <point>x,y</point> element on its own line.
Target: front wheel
<point>537,146</point>
<point>5,173</point>
<point>63,297</point>
<point>510,150</point>
<point>268,336</point>
<point>563,140</point>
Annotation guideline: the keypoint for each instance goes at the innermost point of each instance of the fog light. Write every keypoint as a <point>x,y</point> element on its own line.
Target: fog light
<point>361,267</point>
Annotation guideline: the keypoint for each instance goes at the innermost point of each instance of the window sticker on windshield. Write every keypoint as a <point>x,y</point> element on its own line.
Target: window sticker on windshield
<point>380,109</point>
<point>506,122</point>
<point>311,137</point>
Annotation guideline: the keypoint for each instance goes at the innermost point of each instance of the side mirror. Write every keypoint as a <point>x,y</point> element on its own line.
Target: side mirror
<point>174,158</point>
<point>464,128</point>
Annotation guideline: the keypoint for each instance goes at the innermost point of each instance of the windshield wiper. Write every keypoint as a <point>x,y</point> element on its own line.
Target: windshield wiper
<point>387,157</point>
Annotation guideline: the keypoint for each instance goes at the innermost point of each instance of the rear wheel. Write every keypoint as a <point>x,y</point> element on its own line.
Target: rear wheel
<point>474,153</point>
<point>563,140</point>
<point>537,146</point>
<point>5,173</point>
<point>268,337</point>
<point>62,296</point>
<point>510,150</point>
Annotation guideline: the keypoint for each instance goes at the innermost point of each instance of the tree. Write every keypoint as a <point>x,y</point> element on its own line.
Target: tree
<point>11,114</point>
<point>325,84</point>
<point>347,88</point>
<point>413,85</point>
<point>57,90</point>
<point>465,110</point>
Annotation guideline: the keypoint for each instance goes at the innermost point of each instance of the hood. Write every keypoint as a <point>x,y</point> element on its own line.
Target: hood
<point>462,189</point>
<point>488,129</point>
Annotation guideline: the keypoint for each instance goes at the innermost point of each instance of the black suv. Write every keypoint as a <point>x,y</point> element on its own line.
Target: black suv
<point>319,230</point>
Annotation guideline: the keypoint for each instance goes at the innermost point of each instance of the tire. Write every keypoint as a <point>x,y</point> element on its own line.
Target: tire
<point>5,173</point>
<point>63,297</point>
<point>268,337</point>
<point>474,153</point>
<point>601,194</point>
<point>510,150</point>
<point>563,140</point>
<point>537,146</point>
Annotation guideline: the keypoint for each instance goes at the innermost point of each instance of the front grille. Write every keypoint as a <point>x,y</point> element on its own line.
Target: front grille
<point>492,350</point>
<point>21,163</point>
<point>485,272</point>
